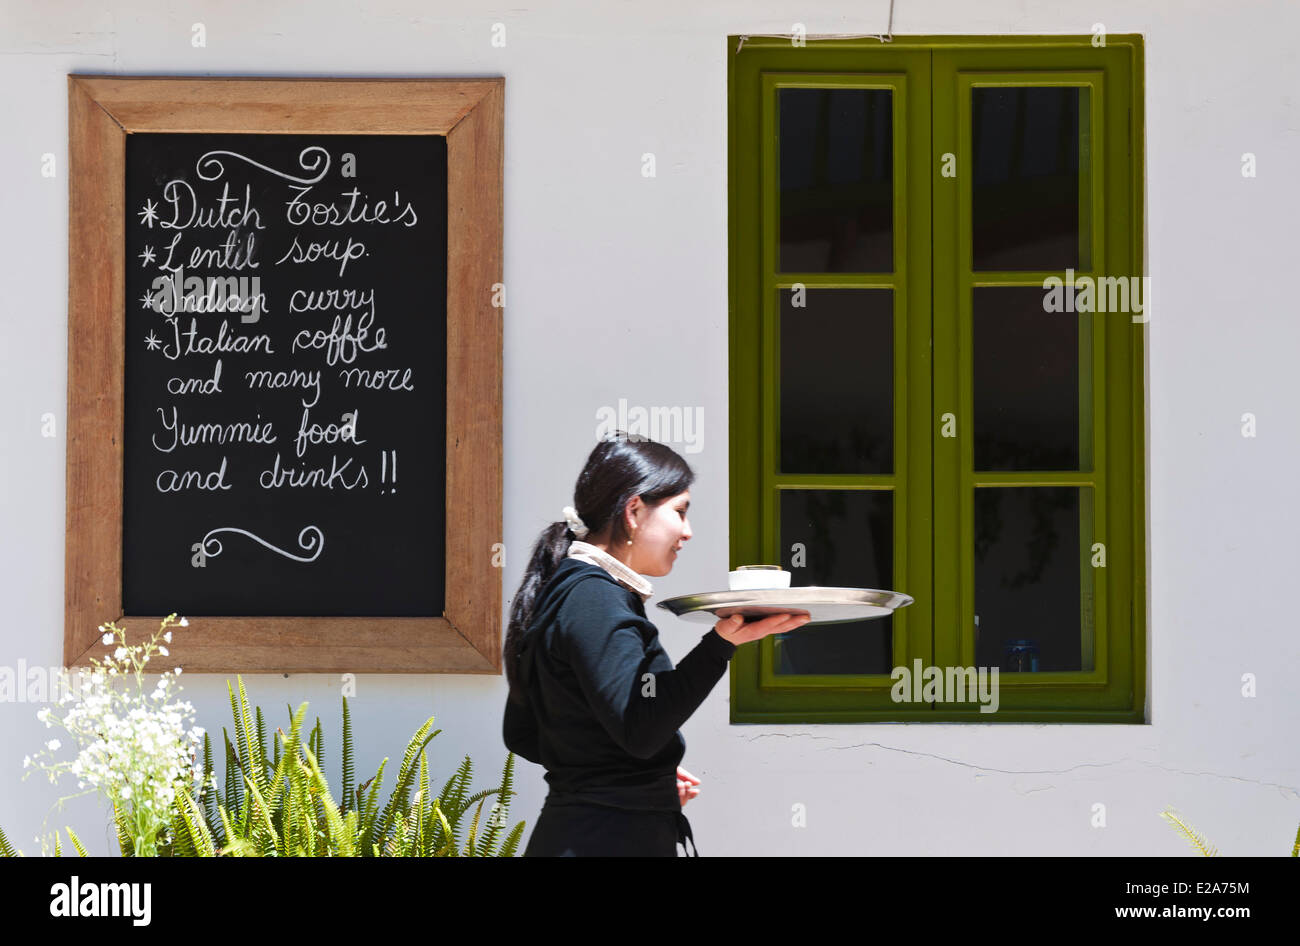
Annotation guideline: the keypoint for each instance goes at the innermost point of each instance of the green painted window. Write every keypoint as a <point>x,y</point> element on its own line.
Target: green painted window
<point>937,324</point>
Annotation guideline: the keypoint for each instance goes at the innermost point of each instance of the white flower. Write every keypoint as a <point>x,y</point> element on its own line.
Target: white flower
<point>108,638</point>
<point>178,671</point>
<point>184,623</point>
<point>126,791</point>
<point>53,744</point>
<point>27,762</point>
<point>168,637</point>
<point>119,653</point>
<point>163,650</point>
<point>42,713</point>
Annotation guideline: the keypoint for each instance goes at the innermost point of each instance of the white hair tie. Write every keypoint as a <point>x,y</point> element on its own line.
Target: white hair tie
<point>575,524</point>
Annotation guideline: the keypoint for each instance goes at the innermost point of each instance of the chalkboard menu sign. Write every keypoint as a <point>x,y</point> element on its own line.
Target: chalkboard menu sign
<point>285,374</point>
<point>285,309</point>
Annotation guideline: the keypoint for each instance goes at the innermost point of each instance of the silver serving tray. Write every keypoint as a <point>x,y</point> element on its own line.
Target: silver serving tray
<point>823,605</point>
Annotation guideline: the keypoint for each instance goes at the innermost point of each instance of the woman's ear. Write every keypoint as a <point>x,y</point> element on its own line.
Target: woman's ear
<point>634,507</point>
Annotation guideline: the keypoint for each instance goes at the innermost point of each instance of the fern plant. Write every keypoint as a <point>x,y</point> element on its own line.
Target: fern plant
<point>282,806</point>
<point>1202,845</point>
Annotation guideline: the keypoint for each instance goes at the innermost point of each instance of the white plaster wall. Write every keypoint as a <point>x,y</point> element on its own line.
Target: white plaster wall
<point>618,289</point>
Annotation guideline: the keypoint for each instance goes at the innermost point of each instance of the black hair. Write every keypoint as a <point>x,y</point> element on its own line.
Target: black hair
<point>620,468</point>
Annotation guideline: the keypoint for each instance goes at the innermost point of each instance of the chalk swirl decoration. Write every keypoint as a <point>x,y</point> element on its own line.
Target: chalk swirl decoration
<point>209,167</point>
<point>314,540</point>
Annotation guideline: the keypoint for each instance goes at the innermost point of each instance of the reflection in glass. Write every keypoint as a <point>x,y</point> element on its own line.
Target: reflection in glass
<point>837,381</point>
<point>1028,584</point>
<point>1025,197</point>
<point>835,161</point>
<point>1026,382</point>
<point>845,539</point>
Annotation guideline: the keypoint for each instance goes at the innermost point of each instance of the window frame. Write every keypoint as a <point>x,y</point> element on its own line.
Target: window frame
<point>933,307</point>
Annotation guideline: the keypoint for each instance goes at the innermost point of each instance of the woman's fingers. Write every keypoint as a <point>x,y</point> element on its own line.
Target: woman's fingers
<point>783,622</point>
<point>740,633</point>
<point>779,624</point>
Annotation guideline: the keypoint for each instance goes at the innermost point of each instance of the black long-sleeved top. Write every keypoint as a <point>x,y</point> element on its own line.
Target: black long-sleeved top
<point>594,719</point>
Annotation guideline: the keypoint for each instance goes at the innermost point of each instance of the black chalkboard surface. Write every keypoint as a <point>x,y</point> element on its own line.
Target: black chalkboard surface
<point>285,390</point>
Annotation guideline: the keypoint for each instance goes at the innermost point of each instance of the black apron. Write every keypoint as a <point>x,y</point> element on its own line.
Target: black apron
<point>610,822</point>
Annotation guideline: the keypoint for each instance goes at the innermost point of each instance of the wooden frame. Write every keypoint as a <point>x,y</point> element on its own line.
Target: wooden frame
<point>102,111</point>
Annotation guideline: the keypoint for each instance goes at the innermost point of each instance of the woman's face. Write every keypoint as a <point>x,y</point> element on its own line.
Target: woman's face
<point>660,532</point>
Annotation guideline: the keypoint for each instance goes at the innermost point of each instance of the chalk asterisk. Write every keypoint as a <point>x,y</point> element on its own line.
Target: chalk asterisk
<point>152,341</point>
<point>147,300</point>
<point>147,255</point>
<point>149,214</point>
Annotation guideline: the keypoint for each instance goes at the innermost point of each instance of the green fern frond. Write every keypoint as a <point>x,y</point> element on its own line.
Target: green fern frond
<point>350,821</point>
<point>421,800</point>
<point>208,795</point>
<point>290,801</point>
<point>449,846</point>
<point>369,808</point>
<point>453,790</point>
<point>397,802</point>
<point>453,801</point>
<point>265,836</point>
<point>500,810</point>
<point>76,842</point>
<point>289,810</point>
<point>512,840</point>
<point>254,752</point>
<point>182,844</point>
<point>233,800</point>
<point>285,764</point>
<point>1295,851</point>
<point>318,743</point>
<point>1192,837</point>
<point>233,845</point>
<point>397,843</point>
<point>341,832</point>
<point>304,829</point>
<point>199,838</point>
<point>473,830</point>
<point>349,772</point>
<point>123,836</point>
<point>423,789</point>
<point>6,849</point>
<point>261,733</point>
<point>239,729</point>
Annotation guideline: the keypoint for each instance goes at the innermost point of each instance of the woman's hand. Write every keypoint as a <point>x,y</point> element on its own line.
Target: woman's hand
<point>686,785</point>
<point>735,631</point>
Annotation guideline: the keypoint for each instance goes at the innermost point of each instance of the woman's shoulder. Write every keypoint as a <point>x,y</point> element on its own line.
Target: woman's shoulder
<point>596,601</point>
<point>592,583</point>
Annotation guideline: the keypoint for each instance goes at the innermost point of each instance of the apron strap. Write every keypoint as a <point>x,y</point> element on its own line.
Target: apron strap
<point>684,834</point>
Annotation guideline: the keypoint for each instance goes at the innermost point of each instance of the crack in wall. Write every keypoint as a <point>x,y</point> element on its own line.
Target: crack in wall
<point>1292,789</point>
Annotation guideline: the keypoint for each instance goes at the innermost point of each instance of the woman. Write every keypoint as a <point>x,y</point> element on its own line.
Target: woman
<point>593,696</point>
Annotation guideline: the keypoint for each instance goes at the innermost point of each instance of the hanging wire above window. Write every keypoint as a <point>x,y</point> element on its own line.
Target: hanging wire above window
<point>888,36</point>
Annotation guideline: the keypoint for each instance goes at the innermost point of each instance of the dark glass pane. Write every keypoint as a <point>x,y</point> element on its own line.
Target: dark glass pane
<point>1027,579</point>
<point>1025,213</point>
<point>1026,377</point>
<point>835,161</point>
<point>844,539</point>
<point>837,381</point>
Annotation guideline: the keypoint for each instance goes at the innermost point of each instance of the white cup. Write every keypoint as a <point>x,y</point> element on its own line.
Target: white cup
<point>751,577</point>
